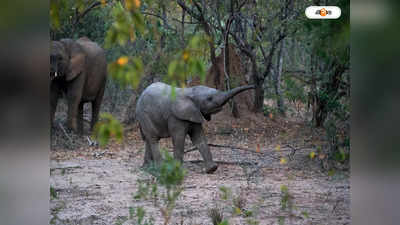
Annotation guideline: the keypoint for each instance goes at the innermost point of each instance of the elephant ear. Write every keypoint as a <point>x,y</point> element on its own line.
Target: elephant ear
<point>76,66</point>
<point>184,109</point>
<point>77,59</point>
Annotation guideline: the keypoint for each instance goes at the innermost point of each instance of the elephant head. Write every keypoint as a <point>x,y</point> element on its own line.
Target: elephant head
<point>200,102</point>
<point>67,59</point>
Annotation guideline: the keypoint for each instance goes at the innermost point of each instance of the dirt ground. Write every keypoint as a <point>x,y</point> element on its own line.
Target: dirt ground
<point>93,185</point>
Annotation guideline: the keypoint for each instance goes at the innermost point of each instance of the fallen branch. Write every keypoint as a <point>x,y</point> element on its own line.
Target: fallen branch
<point>223,162</point>
<point>234,147</point>
<point>66,134</point>
<point>91,143</point>
<point>293,151</point>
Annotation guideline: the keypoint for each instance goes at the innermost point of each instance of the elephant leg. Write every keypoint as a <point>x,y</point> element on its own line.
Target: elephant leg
<point>178,140</point>
<point>154,152</point>
<point>73,105</point>
<point>96,104</point>
<point>54,95</point>
<point>74,96</point>
<point>148,157</point>
<point>74,99</point>
<point>80,118</point>
<point>200,141</point>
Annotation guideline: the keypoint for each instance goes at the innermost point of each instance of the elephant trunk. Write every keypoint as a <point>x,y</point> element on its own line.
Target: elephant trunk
<point>232,93</point>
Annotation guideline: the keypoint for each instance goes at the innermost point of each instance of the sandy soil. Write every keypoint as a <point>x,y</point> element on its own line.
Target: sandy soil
<point>96,186</point>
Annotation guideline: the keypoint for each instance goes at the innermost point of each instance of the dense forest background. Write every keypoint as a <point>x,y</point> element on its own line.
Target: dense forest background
<point>290,59</point>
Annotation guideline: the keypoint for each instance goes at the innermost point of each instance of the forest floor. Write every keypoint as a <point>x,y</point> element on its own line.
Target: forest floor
<point>93,185</point>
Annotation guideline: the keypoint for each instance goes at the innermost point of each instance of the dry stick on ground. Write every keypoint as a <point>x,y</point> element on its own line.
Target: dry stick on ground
<point>65,132</point>
<point>223,162</point>
<point>233,147</point>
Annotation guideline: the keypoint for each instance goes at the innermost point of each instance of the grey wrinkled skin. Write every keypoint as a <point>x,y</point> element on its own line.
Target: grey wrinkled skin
<point>78,69</point>
<point>161,116</point>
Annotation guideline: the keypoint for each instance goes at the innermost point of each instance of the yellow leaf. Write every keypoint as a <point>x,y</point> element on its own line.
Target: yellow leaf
<point>132,35</point>
<point>123,60</point>
<point>237,211</point>
<point>183,85</point>
<point>136,3</point>
<point>103,3</point>
<point>278,148</point>
<point>312,155</point>
<point>283,161</point>
<point>132,4</point>
<point>185,55</point>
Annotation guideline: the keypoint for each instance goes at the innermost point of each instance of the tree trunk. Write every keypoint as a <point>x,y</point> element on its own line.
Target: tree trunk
<point>183,28</point>
<point>259,90</point>
<point>227,71</point>
<point>277,80</point>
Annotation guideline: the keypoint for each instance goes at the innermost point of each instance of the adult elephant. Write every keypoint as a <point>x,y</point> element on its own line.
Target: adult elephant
<point>78,69</point>
<point>160,116</point>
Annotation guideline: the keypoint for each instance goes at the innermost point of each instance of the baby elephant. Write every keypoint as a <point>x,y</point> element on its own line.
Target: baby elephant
<point>160,116</point>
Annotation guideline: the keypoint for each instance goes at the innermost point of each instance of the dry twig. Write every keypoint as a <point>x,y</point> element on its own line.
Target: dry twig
<point>65,132</point>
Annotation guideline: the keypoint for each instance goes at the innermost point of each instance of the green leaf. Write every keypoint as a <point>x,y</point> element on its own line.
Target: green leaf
<point>225,222</point>
<point>305,214</point>
<point>172,67</point>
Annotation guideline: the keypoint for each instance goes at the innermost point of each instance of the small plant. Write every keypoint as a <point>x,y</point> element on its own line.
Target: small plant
<point>216,215</point>
<point>269,111</point>
<point>121,220</point>
<point>285,197</point>
<point>225,222</point>
<point>163,191</point>
<point>107,128</point>
<point>239,204</point>
<point>53,193</point>
<point>252,222</point>
<point>225,192</point>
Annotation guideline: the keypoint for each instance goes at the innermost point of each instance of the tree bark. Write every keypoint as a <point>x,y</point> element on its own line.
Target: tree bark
<point>259,90</point>
<point>277,80</point>
<point>207,29</point>
<point>227,71</point>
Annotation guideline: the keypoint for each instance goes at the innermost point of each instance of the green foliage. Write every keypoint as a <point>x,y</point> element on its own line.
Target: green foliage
<point>188,62</point>
<point>281,220</point>
<point>63,22</point>
<point>225,222</point>
<point>163,192</point>
<point>305,214</point>
<point>331,38</point>
<point>121,220</point>
<point>285,197</point>
<point>126,71</point>
<point>238,205</point>
<point>216,215</point>
<point>127,23</point>
<point>140,214</point>
<point>171,173</point>
<point>107,128</point>
<point>267,110</point>
<point>252,222</point>
<point>55,9</point>
<point>294,91</point>
<point>53,193</point>
<point>225,192</point>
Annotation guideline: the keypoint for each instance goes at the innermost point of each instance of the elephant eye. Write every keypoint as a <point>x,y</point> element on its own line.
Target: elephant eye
<point>210,98</point>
